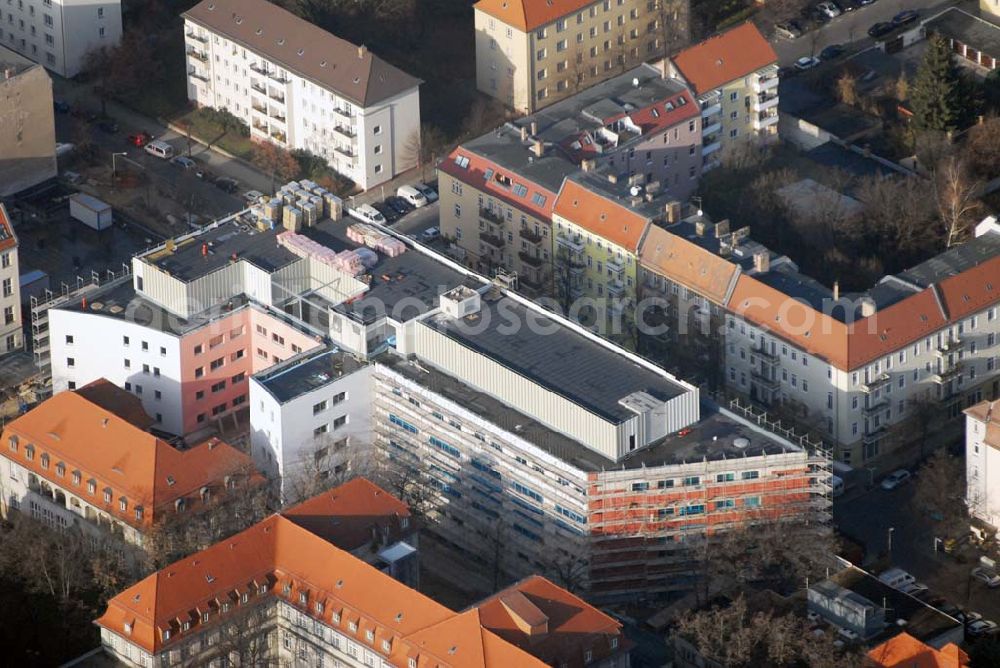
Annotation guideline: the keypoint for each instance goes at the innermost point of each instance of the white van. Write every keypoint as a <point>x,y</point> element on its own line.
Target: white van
<point>160,149</point>
<point>836,485</point>
<point>367,213</point>
<point>897,578</point>
<point>412,195</point>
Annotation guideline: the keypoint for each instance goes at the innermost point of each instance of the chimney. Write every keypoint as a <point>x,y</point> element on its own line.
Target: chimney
<point>836,291</point>
<point>612,178</point>
<point>524,133</point>
<point>534,128</point>
<point>527,617</point>
<point>699,227</point>
<point>362,50</point>
<point>867,307</point>
<point>673,212</point>
<point>588,165</point>
<point>762,262</point>
<point>538,148</point>
<point>722,228</point>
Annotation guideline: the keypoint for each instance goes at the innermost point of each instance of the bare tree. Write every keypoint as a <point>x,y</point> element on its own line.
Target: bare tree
<point>245,638</point>
<point>330,462</point>
<point>847,89</point>
<point>673,18</point>
<point>957,195</point>
<point>276,161</point>
<point>983,146</point>
<point>940,489</point>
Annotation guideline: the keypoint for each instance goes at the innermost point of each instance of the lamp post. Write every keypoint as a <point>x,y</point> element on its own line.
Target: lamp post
<point>891,529</point>
<point>114,163</point>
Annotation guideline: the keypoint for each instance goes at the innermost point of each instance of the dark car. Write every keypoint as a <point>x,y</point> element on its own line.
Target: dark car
<point>880,29</point>
<point>60,106</point>
<point>865,3</point>
<point>108,125</point>
<point>140,139</point>
<point>399,205</point>
<point>390,214</point>
<point>831,52</point>
<point>904,18</point>
<point>847,5</point>
<point>227,184</point>
<point>205,175</point>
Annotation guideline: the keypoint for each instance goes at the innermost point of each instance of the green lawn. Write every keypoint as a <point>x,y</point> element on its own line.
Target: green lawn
<point>213,134</point>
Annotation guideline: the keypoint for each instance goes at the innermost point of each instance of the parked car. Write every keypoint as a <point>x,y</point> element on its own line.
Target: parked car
<point>865,3</point>
<point>905,17</point>
<point>399,205</point>
<point>986,576</point>
<point>139,139</point>
<point>252,196</point>
<point>880,29</point>
<point>897,578</point>
<point>412,195</point>
<point>806,63</point>
<point>916,589</point>
<point>895,479</point>
<point>160,149</point>
<point>430,234</point>
<point>847,5</point>
<point>60,106</point>
<point>847,634</point>
<point>831,52</point>
<point>227,184</point>
<point>366,213</point>
<point>427,191</point>
<point>828,9</point>
<point>108,125</point>
<point>971,616</point>
<point>183,162</point>
<point>789,30</point>
<point>983,627</point>
<point>387,212</point>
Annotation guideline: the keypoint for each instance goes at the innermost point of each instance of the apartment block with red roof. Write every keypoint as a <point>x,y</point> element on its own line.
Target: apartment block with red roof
<point>11,335</point>
<point>735,76</point>
<point>85,459</point>
<point>982,462</point>
<point>498,191</point>
<point>280,593</point>
<point>532,54</point>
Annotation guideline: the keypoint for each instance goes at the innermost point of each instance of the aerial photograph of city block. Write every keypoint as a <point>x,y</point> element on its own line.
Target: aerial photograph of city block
<point>500,333</point>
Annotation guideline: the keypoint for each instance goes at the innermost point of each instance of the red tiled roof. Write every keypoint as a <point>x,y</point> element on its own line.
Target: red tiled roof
<point>527,15</point>
<point>894,327</point>
<point>287,561</point>
<point>8,239</point>
<point>84,436</point>
<point>905,651</point>
<point>348,514</point>
<point>110,397</point>
<point>601,216</point>
<point>725,57</point>
<point>475,175</point>
<point>972,290</point>
<point>688,264</point>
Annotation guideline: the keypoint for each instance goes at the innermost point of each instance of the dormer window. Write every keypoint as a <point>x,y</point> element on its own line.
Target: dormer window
<point>92,486</point>
<point>138,512</point>
<point>12,442</point>
<point>303,597</point>
<point>370,635</point>
<point>76,477</point>
<point>335,617</point>
<point>60,469</point>
<point>614,643</point>
<point>386,646</point>
<point>286,590</point>
<point>262,590</point>
<point>588,656</point>
<point>166,634</point>
<point>225,607</point>
<point>107,495</point>
<point>204,617</point>
<point>412,663</point>
<point>245,597</point>
<point>353,626</point>
<point>127,628</point>
<point>29,452</point>
<point>319,608</point>
<point>44,460</point>
<point>186,626</point>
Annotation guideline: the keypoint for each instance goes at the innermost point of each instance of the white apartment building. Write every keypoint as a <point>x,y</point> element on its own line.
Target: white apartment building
<point>300,87</point>
<point>982,462</point>
<point>60,33</point>
<point>11,334</point>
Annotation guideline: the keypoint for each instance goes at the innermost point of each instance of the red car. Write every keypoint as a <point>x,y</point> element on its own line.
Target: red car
<point>140,139</point>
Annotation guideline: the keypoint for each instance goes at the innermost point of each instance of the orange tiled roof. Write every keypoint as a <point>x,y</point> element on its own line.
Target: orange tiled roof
<point>972,290</point>
<point>725,57</point>
<point>70,430</point>
<point>894,327</point>
<point>550,623</point>
<point>527,15</point>
<point>688,264</point>
<point>347,514</point>
<point>8,239</point>
<point>988,412</point>
<point>288,561</point>
<point>601,216</point>
<point>113,399</point>
<point>475,175</point>
<point>905,651</point>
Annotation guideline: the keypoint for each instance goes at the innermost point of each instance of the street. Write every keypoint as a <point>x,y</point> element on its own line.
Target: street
<point>869,517</point>
<point>850,29</point>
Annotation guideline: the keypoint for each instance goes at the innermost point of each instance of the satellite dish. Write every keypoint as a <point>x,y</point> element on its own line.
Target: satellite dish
<point>635,82</point>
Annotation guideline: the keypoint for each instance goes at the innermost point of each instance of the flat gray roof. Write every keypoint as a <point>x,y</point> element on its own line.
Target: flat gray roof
<point>554,356</point>
<point>294,378</point>
<point>504,147</point>
<point>213,249</point>
<point>967,29</point>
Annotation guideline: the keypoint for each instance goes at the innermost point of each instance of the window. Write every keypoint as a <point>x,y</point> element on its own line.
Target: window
<point>70,362</point>
<point>198,349</point>
<point>69,340</point>
<point>217,363</point>
<point>320,407</point>
<point>199,372</point>
<point>320,430</point>
<point>377,130</point>
<point>691,480</point>
<point>340,422</point>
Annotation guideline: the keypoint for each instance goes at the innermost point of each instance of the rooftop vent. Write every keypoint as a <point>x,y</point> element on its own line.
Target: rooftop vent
<point>741,443</point>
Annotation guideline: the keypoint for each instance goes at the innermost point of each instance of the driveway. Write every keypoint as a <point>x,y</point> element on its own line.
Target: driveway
<point>851,28</point>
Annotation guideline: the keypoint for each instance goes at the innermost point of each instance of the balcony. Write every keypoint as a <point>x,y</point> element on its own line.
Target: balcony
<point>712,129</point>
<point>277,78</point>
<point>949,347</point>
<point>876,407</point>
<point>764,380</point>
<point>873,384</point>
<point>259,69</point>
<point>769,359</point>
<point>615,266</point>
<point>343,113</point>
<point>195,74</point>
<point>616,288</point>
<point>577,268</point>
<point>531,281</point>
<point>765,102</point>
<point>531,259</point>
<point>491,240</point>
<point>259,127</point>
<point>873,435</point>
<point>345,132</point>
<point>198,55</point>
<point>574,245</point>
<point>196,37</point>
<point>491,216</point>
<point>948,373</point>
<point>259,108</point>
<point>710,145</point>
<point>344,151</point>
<point>711,104</point>
<point>278,136</point>
<point>277,97</point>
<point>766,119</point>
<point>529,235</point>
<point>258,88</point>
<point>767,83</point>
<point>277,115</point>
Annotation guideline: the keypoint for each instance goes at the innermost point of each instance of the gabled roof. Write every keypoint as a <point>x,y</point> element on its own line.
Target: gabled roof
<point>348,514</point>
<point>299,46</point>
<point>892,328</point>
<point>110,397</point>
<point>528,15</point>
<point>988,412</point>
<point>972,290</point>
<point>601,216</point>
<point>115,454</point>
<point>688,264</point>
<point>905,651</point>
<point>550,623</point>
<point>724,57</point>
<point>8,239</point>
